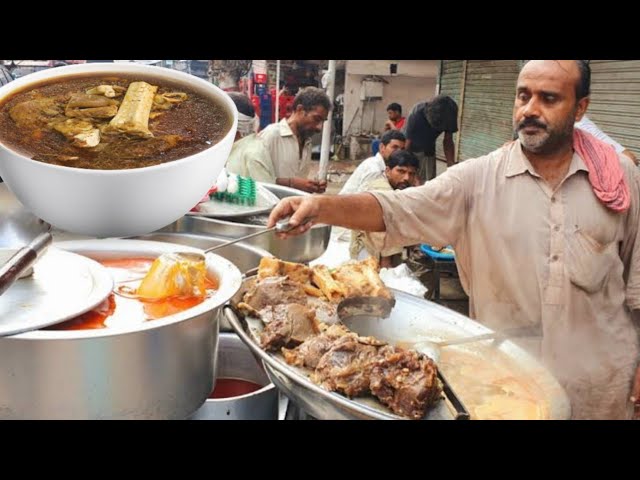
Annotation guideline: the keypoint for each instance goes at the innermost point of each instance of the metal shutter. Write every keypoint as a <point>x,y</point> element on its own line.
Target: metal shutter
<point>615,100</point>
<point>487,108</point>
<point>451,77</point>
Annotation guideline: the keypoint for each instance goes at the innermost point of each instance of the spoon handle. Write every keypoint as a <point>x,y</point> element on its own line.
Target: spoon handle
<point>22,260</point>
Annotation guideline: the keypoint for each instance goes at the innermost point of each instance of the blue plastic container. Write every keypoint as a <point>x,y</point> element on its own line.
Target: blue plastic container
<point>428,250</point>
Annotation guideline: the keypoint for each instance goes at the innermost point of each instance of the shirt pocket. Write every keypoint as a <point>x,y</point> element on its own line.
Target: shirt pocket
<point>589,262</point>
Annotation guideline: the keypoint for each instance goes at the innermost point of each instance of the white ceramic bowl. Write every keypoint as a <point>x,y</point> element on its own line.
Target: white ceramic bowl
<point>106,203</point>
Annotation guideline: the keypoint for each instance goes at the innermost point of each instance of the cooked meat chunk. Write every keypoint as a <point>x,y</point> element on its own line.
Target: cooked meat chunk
<point>346,367</point>
<point>361,279</point>
<point>325,312</point>
<point>36,113</point>
<point>311,351</point>
<point>273,291</point>
<point>291,325</point>
<point>273,267</point>
<point>406,381</point>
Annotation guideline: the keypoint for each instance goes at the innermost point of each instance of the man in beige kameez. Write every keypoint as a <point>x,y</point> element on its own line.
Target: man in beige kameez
<point>289,141</point>
<point>249,157</point>
<point>534,245</point>
<point>399,173</point>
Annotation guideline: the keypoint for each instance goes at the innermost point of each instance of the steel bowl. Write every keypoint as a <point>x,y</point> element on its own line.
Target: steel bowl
<point>302,248</point>
<point>235,360</point>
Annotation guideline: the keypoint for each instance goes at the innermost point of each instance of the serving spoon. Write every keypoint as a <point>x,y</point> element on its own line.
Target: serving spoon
<point>432,349</point>
<point>281,226</point>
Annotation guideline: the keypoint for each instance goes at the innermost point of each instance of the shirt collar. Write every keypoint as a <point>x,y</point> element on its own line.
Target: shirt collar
<point>518,163</point>
<point>285,129</point>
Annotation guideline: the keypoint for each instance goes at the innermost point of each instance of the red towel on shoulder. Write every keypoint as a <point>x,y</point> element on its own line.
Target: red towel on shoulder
<point>605,172</point>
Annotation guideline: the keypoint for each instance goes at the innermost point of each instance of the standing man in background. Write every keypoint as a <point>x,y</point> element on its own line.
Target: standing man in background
<point>424,125</point>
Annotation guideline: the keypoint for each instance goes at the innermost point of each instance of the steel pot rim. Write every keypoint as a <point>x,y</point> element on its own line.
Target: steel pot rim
<point>229,275</point>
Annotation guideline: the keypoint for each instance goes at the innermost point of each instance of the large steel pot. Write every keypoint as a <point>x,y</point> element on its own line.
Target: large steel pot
<point>161,369</point>
<point>235,360</point>
<point>303,248</point>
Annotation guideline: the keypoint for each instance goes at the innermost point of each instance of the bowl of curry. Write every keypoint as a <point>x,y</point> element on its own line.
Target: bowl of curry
<point>113,149</point>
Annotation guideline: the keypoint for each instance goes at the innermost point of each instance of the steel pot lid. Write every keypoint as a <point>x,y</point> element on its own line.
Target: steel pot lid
<point>63,286</point>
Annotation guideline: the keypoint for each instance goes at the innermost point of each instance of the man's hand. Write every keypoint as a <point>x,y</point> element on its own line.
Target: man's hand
<point>308,185</point>
<point>635,395</point>
<point>298,208</point>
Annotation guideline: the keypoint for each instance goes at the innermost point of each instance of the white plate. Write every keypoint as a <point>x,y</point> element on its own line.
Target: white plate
<point>63,286</point>
<point>265,201</point>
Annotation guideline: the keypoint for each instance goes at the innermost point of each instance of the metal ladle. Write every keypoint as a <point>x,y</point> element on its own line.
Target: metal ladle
<point>432,349</point>
<point>281,226</point>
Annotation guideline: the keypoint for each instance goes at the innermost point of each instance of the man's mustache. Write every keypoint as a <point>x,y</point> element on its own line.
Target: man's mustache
<point>531,122</point>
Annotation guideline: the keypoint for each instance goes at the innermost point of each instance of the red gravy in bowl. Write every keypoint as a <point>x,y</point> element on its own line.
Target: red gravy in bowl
<point>233,387</point>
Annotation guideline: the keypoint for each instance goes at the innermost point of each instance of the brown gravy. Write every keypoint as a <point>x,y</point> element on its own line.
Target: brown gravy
<point>30,123</point>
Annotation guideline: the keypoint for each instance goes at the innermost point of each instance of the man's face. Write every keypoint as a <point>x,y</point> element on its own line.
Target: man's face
<point>401,177</point>
<point>393,115</point>
<point>545,108</point>
<point>309,123</point>
<point>392,146</point>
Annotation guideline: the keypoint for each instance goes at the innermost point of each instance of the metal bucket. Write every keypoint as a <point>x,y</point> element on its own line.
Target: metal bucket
<point>235,360</point>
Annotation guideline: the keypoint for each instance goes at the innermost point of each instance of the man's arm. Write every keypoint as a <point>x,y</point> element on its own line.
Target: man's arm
<point>304,184</point>
<point>330,209</point>
<point>435,213</point>
<point>409,127</point>
<point>449,148</point>
<point>407,144</point>
<point>259,164</point>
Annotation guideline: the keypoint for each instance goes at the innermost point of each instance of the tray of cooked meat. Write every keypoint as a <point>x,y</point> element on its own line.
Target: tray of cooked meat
<point>339,343</point>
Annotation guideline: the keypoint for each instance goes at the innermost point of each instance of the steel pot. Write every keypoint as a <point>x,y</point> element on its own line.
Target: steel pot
<point>161,369</point>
